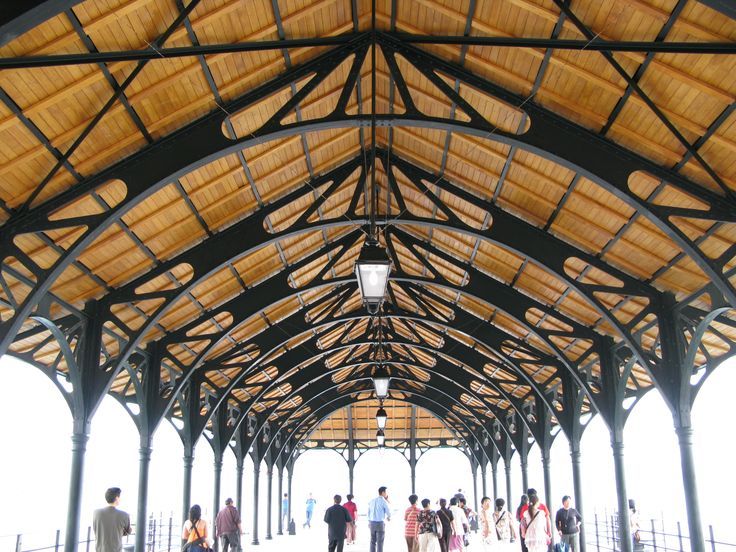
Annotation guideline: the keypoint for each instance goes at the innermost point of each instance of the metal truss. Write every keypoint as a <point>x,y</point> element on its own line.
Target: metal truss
<point>202,141</point>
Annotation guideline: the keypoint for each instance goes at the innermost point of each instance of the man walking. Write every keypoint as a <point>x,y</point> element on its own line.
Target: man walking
<point>110,524</point>
<point>227,525</point>
<point>310,510</point>
<point>337,519</point>
<point>411,530</point>
<point>568,522</point>
<point>285,509</point>
<point>378,510</point>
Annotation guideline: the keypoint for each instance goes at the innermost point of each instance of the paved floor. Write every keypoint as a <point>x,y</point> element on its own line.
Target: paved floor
<point>315,540</point>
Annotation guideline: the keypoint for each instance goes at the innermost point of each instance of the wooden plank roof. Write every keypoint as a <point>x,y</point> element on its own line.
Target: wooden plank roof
<point>511,249</point>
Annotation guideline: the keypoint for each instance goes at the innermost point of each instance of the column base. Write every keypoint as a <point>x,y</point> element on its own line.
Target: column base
<point>279,533</point>
<point>255,542</point>
<point>269,537</point>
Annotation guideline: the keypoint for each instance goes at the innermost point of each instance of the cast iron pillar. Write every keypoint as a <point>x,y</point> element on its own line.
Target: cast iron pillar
<point>484,480</point>
<point>281,501</point>
<point>256,480</point>
<point>577,486</point>
<point>624,531</point>
<point>547,476</point>
<point>218,478</point>
<point>142,513</point>
<point>413,448</point>
<point>474,470</point>
<point>288,490</point>
<point>187,485</point>
<point>685,440</point>
<point>494,479</point>
<point>269,495</point>
<point>351,450</point>
<point>507,467</point>
<point>79,448</point>
<point>239,469</point>
<point>524,473</point>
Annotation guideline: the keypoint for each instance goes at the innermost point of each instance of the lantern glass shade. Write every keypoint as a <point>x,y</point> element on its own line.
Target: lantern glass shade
<point>372,270</point>
<point>381,380</point>
<point>380,438</point>
<point>381,418</point>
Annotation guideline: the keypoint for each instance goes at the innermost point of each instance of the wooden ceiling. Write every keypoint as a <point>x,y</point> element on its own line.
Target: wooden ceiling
<point>63,125</point>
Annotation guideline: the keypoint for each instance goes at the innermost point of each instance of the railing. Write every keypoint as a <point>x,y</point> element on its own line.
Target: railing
<point>162,536</point>
<point>602,535</point>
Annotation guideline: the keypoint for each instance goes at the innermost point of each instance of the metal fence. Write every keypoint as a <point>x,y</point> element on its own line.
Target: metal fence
<point>602,534</point>
<point>162,536</point>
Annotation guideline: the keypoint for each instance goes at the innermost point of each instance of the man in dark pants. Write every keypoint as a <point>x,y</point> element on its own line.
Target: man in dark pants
<point>337,518</point>
<point>378,510</point>
<point>227,525</point>
<point>110,524</point>
<point>568,522</point>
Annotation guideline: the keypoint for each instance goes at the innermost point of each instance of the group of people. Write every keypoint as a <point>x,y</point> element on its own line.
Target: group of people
<point>426,529</point>
<point>448,527</point>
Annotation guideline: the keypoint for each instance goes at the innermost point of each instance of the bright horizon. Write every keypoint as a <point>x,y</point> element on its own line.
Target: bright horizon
<point>37,471</point>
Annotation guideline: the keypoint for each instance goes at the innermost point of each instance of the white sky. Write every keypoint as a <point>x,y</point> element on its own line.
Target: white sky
<point>35,467</point>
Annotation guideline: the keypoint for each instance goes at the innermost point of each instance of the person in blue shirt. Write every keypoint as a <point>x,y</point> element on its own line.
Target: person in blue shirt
<point>310,510</point>
<point>378,511</point>
<point>285,509</point>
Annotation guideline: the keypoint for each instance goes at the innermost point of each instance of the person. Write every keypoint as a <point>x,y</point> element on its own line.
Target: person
<point>520,509</point>
<point>459,494</point>
<point>535,526</point>
<point>195,531</point>
<point>488,532</point>
<point>445,516</point>
<point>426,519</point>
<point>567,521</point>
<point>523,504</point>
<point>110,524</point>
<point>459,522</point>
<point>469,513</point>
<point>310,510</point>
<point>412,525</point>
<point>337,519</point>
<point>504,525</point>
<point>634,525</point>
<point>378,510</point>
<point>227,527</point>
<point>531,493</point>
<point>352,509</point>
<point>285,509</point>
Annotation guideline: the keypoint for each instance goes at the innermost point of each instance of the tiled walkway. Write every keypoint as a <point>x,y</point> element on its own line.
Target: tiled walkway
<point>315,540</point>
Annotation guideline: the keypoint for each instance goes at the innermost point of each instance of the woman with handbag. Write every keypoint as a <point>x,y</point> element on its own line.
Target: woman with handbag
<point>459,523</point>
<point>504,523</point>
<point>535,527</point>
<point>445,517</point>
<point>195,531</point>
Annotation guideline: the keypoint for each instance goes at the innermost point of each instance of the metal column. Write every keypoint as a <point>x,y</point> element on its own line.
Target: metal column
<point>218,478</point>
<point>494,479</point>
<point>256,478</point>
<point>280,526</point>
<point>578,487</point>
<point>142,513</point>
<point>79,448</point>
<point>269,500</point>
<point>187,484</point>
<point>239,486</point>
<point>685,440</point>
<point>508,484</point>
<point>547,477</point>
<point>484,479</point>
<point>624,532</point>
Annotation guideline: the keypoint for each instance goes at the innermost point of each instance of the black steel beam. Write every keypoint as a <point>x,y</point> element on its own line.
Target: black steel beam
<point>55,60</point>
<point>20,16</point>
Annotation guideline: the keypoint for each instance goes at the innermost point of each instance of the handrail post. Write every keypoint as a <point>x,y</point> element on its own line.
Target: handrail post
<point>171,530</point>
<point>654,537</point>
<point>58,540</point>
<point>18,542</point>
<point>89,537</point>
<point>712,540</point>
<point>597,535</point>
<point>679,535</point>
